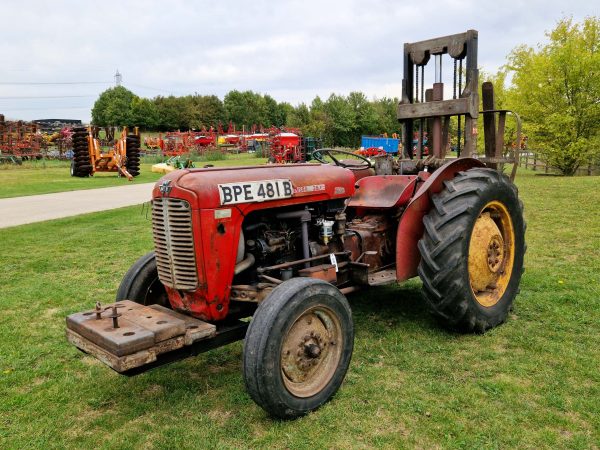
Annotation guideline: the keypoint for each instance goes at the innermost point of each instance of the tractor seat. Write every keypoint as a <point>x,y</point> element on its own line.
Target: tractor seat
<point>383,191</point>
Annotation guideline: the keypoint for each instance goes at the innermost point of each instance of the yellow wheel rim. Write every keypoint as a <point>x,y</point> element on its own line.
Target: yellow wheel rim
<point>491,254</point>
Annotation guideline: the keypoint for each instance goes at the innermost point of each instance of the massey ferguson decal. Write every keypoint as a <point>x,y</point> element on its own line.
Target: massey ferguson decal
<point>309,188</point>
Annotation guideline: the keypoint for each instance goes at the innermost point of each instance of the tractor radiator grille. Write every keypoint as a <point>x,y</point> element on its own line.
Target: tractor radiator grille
<point>174,243</point>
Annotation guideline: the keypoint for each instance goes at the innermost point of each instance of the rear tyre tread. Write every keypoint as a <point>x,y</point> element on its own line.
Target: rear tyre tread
<point>444,249</point>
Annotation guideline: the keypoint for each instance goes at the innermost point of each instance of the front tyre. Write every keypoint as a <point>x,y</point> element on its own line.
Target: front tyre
<point>472,250</point>
<point>298,347</point>
<point>141,284</point>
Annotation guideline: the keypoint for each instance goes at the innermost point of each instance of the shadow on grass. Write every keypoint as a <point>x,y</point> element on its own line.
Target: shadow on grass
<point>394,305</point>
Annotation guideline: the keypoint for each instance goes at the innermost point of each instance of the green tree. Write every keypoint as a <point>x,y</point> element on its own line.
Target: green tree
<point>210,110</point>
<point>246,108</point>
<point>285,111</point>
<point>113,107</point>
<point>274,114</point>
<point>144,114</point>
<point>341,125</point>
<point>387,120</point>
<point>556,89</point>
<point>169,112</point>
<point>299,117</point>
<point>365,117</point>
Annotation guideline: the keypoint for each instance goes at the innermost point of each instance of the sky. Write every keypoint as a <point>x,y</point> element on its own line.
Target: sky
<point>57,57</point>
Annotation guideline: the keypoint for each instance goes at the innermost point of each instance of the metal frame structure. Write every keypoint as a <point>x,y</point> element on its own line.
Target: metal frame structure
<point>415,105</point>
<point>432,113</point>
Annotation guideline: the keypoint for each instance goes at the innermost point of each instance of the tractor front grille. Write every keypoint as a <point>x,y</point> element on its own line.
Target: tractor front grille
<point>174,243</point>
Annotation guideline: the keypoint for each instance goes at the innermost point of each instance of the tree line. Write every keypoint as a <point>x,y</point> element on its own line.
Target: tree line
<point>339,120</point>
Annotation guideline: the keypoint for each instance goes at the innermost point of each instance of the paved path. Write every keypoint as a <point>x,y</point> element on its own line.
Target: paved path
<point>37,208</point>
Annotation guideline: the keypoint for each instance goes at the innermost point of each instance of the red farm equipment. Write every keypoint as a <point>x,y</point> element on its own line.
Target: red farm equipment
<point>153,143</point>
<point>205,138</point>
<point>284,244</point>
<point>20,141</point>
<point>286,146</point>
<point>371,152</point>
<point>178,143</point>
<point>92,154</point>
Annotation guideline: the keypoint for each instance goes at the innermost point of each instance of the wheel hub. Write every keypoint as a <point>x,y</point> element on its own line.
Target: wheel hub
<point>310,352</point>
<point>495,253</point>
<point>491,253</point>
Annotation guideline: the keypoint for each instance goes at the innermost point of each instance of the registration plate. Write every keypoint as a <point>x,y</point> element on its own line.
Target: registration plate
<point>254,191</point>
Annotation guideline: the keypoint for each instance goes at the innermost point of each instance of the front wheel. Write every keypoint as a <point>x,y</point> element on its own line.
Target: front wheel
<point>141,284</point>
<point>298,347</point>
<point>472,250</point>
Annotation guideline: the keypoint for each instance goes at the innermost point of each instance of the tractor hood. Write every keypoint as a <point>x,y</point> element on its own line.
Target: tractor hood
<point>257,187</point>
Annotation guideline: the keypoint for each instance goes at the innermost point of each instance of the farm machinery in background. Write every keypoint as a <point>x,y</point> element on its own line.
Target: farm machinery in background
<point>279,145</point>
<point>92,154</point>
<point>284,147</point>
<point>178,143</point>
<point>288,145</point>
<point>49,138</point>
<point>283,244</point>
<point>20,141</point>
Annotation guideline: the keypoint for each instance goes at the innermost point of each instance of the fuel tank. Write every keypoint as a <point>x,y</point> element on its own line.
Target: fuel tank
<point>197,216</point>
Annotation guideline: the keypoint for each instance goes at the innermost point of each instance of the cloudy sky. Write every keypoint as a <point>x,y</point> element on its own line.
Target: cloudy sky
<point>56,57</point>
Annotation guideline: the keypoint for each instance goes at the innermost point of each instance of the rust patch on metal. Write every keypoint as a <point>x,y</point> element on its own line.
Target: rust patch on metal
<point>323,272</point>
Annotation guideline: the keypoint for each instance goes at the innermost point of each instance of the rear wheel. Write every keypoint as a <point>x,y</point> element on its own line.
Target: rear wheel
<point>472,250</point>
<point>141,284</point>
<point>298,347</point>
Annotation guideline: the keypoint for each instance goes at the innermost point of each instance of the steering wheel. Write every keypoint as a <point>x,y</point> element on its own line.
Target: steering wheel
<point>318,155</point>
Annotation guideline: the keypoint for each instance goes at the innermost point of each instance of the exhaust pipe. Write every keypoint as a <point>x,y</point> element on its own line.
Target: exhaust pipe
<point>244,264</point>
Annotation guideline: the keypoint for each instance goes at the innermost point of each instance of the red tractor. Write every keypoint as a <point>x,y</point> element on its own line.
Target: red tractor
<point>284,245</point>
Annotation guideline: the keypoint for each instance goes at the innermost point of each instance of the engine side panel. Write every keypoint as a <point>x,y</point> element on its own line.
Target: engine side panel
<point>216,228</point>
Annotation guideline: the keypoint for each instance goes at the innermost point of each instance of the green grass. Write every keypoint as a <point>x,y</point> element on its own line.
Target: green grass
<point>44,177</point>
<point>534,382</point>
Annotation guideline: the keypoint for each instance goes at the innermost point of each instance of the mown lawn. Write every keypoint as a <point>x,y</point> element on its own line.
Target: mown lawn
<point>533,382</point>
<point>44,177</point>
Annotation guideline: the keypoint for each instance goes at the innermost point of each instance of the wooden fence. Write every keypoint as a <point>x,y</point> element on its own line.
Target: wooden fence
<point>534,161</point>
